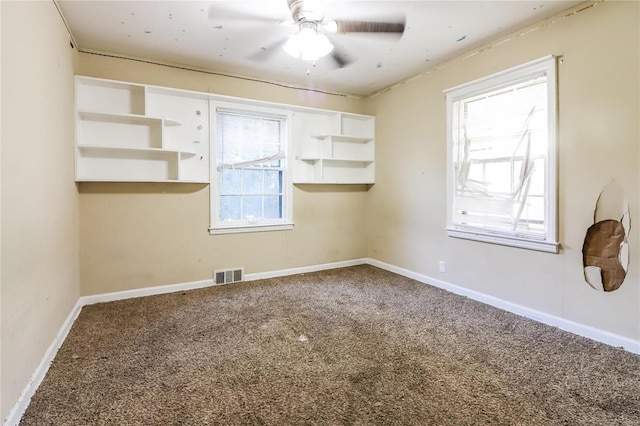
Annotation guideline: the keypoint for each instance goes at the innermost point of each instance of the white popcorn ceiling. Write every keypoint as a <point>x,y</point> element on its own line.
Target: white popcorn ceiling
<point>182,33</point>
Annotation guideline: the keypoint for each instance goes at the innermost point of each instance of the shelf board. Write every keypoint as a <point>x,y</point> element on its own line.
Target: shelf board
<point>349,160</point>
<point>332,183</point>
<point>126,118</point>
<point>338,160</point>
<point>120,148</point>
<point>115,180</point>
<point>345,138</point>
<point>187,153</point>
<point>171,123</point>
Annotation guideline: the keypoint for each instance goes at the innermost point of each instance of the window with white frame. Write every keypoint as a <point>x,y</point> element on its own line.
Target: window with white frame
<point>501,171</point>
<point>250,187</point>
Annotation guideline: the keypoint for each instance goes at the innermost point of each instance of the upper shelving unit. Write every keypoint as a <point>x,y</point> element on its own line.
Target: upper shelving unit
<point>135,133</point>
<point>336,148</point>
<point>129,132</point>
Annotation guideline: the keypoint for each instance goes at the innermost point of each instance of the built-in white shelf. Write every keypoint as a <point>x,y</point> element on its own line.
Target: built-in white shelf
<point>120,148</point>
<point>125,118</point>
<point>128,132</point>
<point>334,148</point>
<point>346,138</point>
<point>345,160</point>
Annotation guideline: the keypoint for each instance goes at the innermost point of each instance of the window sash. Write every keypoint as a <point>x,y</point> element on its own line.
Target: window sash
<point>261,202</point>
<point>496,212</point>
<point>266,197</point>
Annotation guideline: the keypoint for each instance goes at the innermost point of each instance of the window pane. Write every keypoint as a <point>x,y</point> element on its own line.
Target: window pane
<point>475,174</point>
<point>537,180</point>
<point>270,149</point>
<point>534,212</point>
<point>230,182</point>
<point>272,207</point>
<point>272,182</point>
<point>247,137</point>
<point>498,176</point>
<point>229,208</point>
<point>252,181</point>
<point>252,207</point>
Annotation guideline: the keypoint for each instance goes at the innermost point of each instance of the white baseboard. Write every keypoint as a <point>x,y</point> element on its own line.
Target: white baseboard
<point>146,291</point>
<point>576,328</point>
<point>36,378</point>
<point>303,269</point>
<point>583,330</point>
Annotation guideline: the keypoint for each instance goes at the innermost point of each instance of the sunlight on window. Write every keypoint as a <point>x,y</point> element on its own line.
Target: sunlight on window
<point>500,172</point>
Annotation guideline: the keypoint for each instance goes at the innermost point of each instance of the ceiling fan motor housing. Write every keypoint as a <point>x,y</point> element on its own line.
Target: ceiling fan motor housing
<point>306,10</point>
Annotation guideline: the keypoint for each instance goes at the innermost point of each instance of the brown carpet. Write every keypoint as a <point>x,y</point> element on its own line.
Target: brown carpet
<point>351,346</point>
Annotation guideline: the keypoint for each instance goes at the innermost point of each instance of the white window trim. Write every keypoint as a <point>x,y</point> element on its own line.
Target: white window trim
<point>250,228</point>
<point>286,223</point>
<point>550,242</point>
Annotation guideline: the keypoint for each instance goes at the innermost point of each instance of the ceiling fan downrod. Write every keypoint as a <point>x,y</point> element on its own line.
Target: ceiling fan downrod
<point>307,10</point>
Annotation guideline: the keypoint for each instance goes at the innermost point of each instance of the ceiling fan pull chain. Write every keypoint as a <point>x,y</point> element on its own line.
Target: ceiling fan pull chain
<point>313,65</point>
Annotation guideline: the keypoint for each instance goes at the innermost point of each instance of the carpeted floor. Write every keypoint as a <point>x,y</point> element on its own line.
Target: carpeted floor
<point>351,346</point>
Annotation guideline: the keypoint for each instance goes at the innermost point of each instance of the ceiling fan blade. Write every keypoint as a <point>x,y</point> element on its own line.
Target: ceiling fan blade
<point>343,27</point>
<point>267,51</point>
<point>340,57</point>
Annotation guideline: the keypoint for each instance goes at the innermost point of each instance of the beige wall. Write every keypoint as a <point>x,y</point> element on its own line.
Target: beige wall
<point>142,235</point>
<point>40,209</point>
<point>599,137</point>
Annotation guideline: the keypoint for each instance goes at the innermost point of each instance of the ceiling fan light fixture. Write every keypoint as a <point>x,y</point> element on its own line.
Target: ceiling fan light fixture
<point>331,26</point>
<point>308,44</point>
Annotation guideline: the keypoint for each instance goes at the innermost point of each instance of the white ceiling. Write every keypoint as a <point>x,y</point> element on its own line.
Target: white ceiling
<point>230,37</point>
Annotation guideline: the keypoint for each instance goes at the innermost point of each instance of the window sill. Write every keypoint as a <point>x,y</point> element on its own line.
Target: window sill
<point>250,228</point>
<point>545,246</point>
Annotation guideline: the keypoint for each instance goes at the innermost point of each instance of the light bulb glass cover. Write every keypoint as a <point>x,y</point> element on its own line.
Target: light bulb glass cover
<point>308,45</point>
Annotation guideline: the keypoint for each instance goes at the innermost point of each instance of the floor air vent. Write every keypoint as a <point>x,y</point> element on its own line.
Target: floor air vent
<point>226,276</point>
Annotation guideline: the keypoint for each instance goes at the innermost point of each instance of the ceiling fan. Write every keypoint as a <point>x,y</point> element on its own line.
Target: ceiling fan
<point>313,35</point>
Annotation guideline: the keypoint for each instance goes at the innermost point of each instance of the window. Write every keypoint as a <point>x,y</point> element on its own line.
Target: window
<point>501,183</point>
<point>250,188</point>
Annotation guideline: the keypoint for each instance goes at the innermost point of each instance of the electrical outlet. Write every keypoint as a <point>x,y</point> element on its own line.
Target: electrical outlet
<point>443,266</point>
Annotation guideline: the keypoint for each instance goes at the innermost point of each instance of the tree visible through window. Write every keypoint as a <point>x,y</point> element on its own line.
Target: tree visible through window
<point>502,158</point>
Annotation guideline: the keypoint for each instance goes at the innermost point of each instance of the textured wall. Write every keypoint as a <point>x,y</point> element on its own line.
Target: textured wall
<point>598,142</point>
<point>40,209</point>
